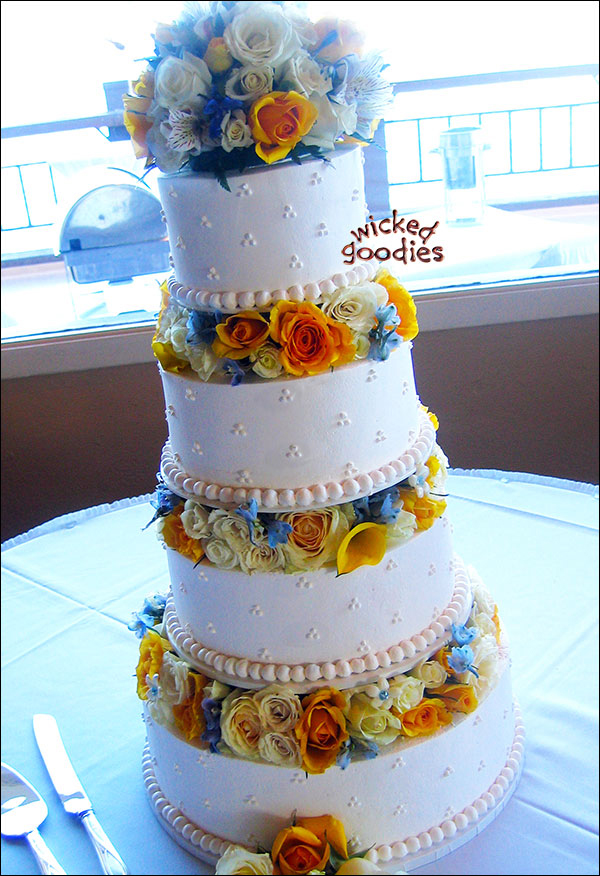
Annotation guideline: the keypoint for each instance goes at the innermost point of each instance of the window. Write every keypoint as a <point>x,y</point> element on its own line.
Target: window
<point>526,81</point>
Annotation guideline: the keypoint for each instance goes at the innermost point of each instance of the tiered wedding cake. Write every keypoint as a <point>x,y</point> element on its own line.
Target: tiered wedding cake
<point>323,657</point>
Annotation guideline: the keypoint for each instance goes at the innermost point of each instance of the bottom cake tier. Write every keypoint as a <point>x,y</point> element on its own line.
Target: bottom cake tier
<point>415,801</point>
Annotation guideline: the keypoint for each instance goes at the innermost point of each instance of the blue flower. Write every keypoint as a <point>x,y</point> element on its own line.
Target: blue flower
<point>155,605</point>
<point>345,755</point>
<point>250,515</point>
<point>202,327</point>
<point>216,109</point>
<point>461,659</point>
<point>235,370</point>
<point>277,531</point>
<point>384,337</point>
<point>378,508</point>
<point>463,635</point>
<point>163,500</point>
<point>139,623</point>
<point>212,716</point>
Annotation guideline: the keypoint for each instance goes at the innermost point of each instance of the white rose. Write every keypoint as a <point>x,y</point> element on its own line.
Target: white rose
<point>371,722</point>
<point>160,711</point>
<point>483,599</point>
<point>267,361</point>
<point>430,672</point>
<point>485,661</point>
<point>353,305</point>
<point>236,133</point>
<point>483,623</point>
<point>230,527</point>
<point>260,557</point>
<point>334,119</point>
<point>219,553</point>
<point>405,693</point>
<point>280,748</point>
<point>362,344</point>
<point>403,526</point>
<point>182,82</point>
<point>202,359</point>
<point>302,74</point>
<point>174,680</point>
<point>249,83</point>
<point>360,867</point>
<point>170,322</point>
<point>237,860</point>
<point>261,34</point>
<point>195,520</point>
<point>279,708</point>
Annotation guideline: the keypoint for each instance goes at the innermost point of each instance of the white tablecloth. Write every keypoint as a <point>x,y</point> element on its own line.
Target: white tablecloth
<point>69,588</point>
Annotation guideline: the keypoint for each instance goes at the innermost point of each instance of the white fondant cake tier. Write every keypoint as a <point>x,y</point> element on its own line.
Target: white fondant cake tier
<point>296,442</point>
<point>279,228</point>
<point>315,616</point>
<point>414,795</point>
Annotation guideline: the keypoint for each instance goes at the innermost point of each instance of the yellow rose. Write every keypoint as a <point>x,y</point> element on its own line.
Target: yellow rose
<point>369,722</point>
<point>311,342</point>
<point>278,121</point>
<point>315,536</point>
<point>304,847</point>
<point>322,729</point>
<point>152,648</point>
<point>426,509</point>
<point>189,716</point>
<point>363,546</point>
<point>347,39</point>
<point>240,724</point>
<point>403,301</point>
<point>137,122</point>
<point>457,697</point>
<point>172,532</point>
<point>240,335</point>
<point>432,417</point>
<point>217,56</point>
<point>426,718</point>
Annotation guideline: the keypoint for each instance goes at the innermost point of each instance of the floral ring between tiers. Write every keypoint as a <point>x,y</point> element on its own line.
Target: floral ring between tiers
<point>427,847</point>
<point>348,673</point>
<point>230,302</point>
<point>314,496</point>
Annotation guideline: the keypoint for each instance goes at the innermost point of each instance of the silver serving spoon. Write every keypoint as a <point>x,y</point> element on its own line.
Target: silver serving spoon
<point>23,810</point>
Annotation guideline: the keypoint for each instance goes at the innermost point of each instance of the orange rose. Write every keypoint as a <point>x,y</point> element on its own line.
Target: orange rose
<point>152,648</point>
<point>457,697</point>
<point>189,717</point>
<point>346,39</point>
<point>240,335</point>
<point>403,302</point>
<point>311,342</point>
<point>305,846</point>
<point>425,509</point>
<point>174,536</point>
<point>278,121</point>
<point>137,122</point>
<point>322,729</point>
<point>425,718</point>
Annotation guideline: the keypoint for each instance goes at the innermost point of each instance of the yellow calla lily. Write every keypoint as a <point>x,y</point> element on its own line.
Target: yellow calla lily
<point>363,546</point>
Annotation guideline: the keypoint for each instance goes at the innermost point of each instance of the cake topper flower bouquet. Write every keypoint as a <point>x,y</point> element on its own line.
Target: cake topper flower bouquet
<point>240,84</point>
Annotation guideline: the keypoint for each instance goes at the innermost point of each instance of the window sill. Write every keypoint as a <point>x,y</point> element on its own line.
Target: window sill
<point>451,308</point>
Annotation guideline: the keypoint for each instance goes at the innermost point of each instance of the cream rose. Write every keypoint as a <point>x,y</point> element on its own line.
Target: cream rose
<point>353,305</point>
<point>219,553</point>
<point>430,672</point>
<point>279,708</point>
<point>249,83</point>
<point>315,537</point>
<point>238,860</point>
<point>261,34</point>
<point>231,528</point>
<point>280,748</point>
<point>302,74</point>
<point>194,519</point>
<point>363,345</point>
<point>405,693</point>
<point>370,722</point>
<point>240,724</point>
<point>202,360</point>
<point>485,661</point>
<point>403,526</point>
<point>174,679</point>
<point>266,361</point>
<point>260,557</point>
<point>182,82</point>
<point>483,600</point>
<point>483,623</point>
<point>236,133</point>
<point>334,119</point>
<point>360,867</point>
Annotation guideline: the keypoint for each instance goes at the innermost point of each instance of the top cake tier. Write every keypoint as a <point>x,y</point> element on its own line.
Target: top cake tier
<point>280,229</point>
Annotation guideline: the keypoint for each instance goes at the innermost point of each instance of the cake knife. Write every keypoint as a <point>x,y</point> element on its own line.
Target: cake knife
<point>71,793</point>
